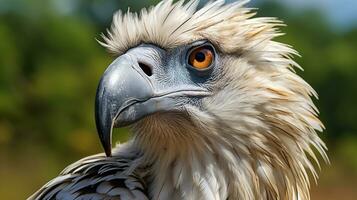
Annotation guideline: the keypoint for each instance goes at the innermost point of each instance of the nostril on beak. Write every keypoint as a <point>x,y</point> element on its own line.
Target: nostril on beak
<point>146,69</point>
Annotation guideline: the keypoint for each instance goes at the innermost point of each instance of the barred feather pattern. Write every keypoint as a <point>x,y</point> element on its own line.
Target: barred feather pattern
<point>255,137</point>
<point>97,177</point>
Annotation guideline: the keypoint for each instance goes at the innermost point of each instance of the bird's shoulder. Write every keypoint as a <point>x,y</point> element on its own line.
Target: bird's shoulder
<point>96,177</point>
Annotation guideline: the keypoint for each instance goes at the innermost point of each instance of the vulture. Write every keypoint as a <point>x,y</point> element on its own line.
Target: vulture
<point>215,108</point>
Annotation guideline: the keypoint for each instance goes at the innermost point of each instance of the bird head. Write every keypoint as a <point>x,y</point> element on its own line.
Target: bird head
<point>216,68</point>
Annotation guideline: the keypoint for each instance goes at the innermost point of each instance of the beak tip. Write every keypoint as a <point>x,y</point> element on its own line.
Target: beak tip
<point>104,129</point>
<point>106,140</point>
<point>107,146</point>
<point>104,121</point>
<point>108,152</point>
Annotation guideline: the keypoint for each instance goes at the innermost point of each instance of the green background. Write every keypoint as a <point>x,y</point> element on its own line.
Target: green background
<point>50,64</point>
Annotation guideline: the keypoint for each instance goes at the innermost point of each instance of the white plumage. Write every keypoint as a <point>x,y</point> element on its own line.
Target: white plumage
<point>252,140</point>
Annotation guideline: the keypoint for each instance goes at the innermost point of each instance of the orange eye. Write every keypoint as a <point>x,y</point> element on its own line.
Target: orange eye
<point>201,58</point>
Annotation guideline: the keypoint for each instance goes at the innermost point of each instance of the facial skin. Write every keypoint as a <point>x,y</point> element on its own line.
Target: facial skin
<point>148,79</point>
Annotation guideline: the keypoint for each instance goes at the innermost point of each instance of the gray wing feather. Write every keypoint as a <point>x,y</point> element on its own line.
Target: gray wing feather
<point>96,177</point>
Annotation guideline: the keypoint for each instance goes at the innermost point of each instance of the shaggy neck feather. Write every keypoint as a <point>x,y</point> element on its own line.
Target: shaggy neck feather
<point>189,162</point>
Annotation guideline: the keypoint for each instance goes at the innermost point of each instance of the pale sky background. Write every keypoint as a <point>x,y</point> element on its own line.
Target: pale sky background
<point>342,13</point>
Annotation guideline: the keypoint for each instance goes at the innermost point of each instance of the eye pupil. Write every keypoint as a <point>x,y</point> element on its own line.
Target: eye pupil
<point>200,57</point>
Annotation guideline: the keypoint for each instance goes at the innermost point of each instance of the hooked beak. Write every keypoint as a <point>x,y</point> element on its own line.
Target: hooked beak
<point>120,86</point>
<point>126,94</point>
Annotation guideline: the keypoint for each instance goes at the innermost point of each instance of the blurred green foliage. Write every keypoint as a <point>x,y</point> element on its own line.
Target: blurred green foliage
<point>50,64</point>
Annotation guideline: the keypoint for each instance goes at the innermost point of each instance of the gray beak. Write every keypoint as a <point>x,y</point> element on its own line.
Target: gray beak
<point>122,85</point>
<point>127,92</point>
